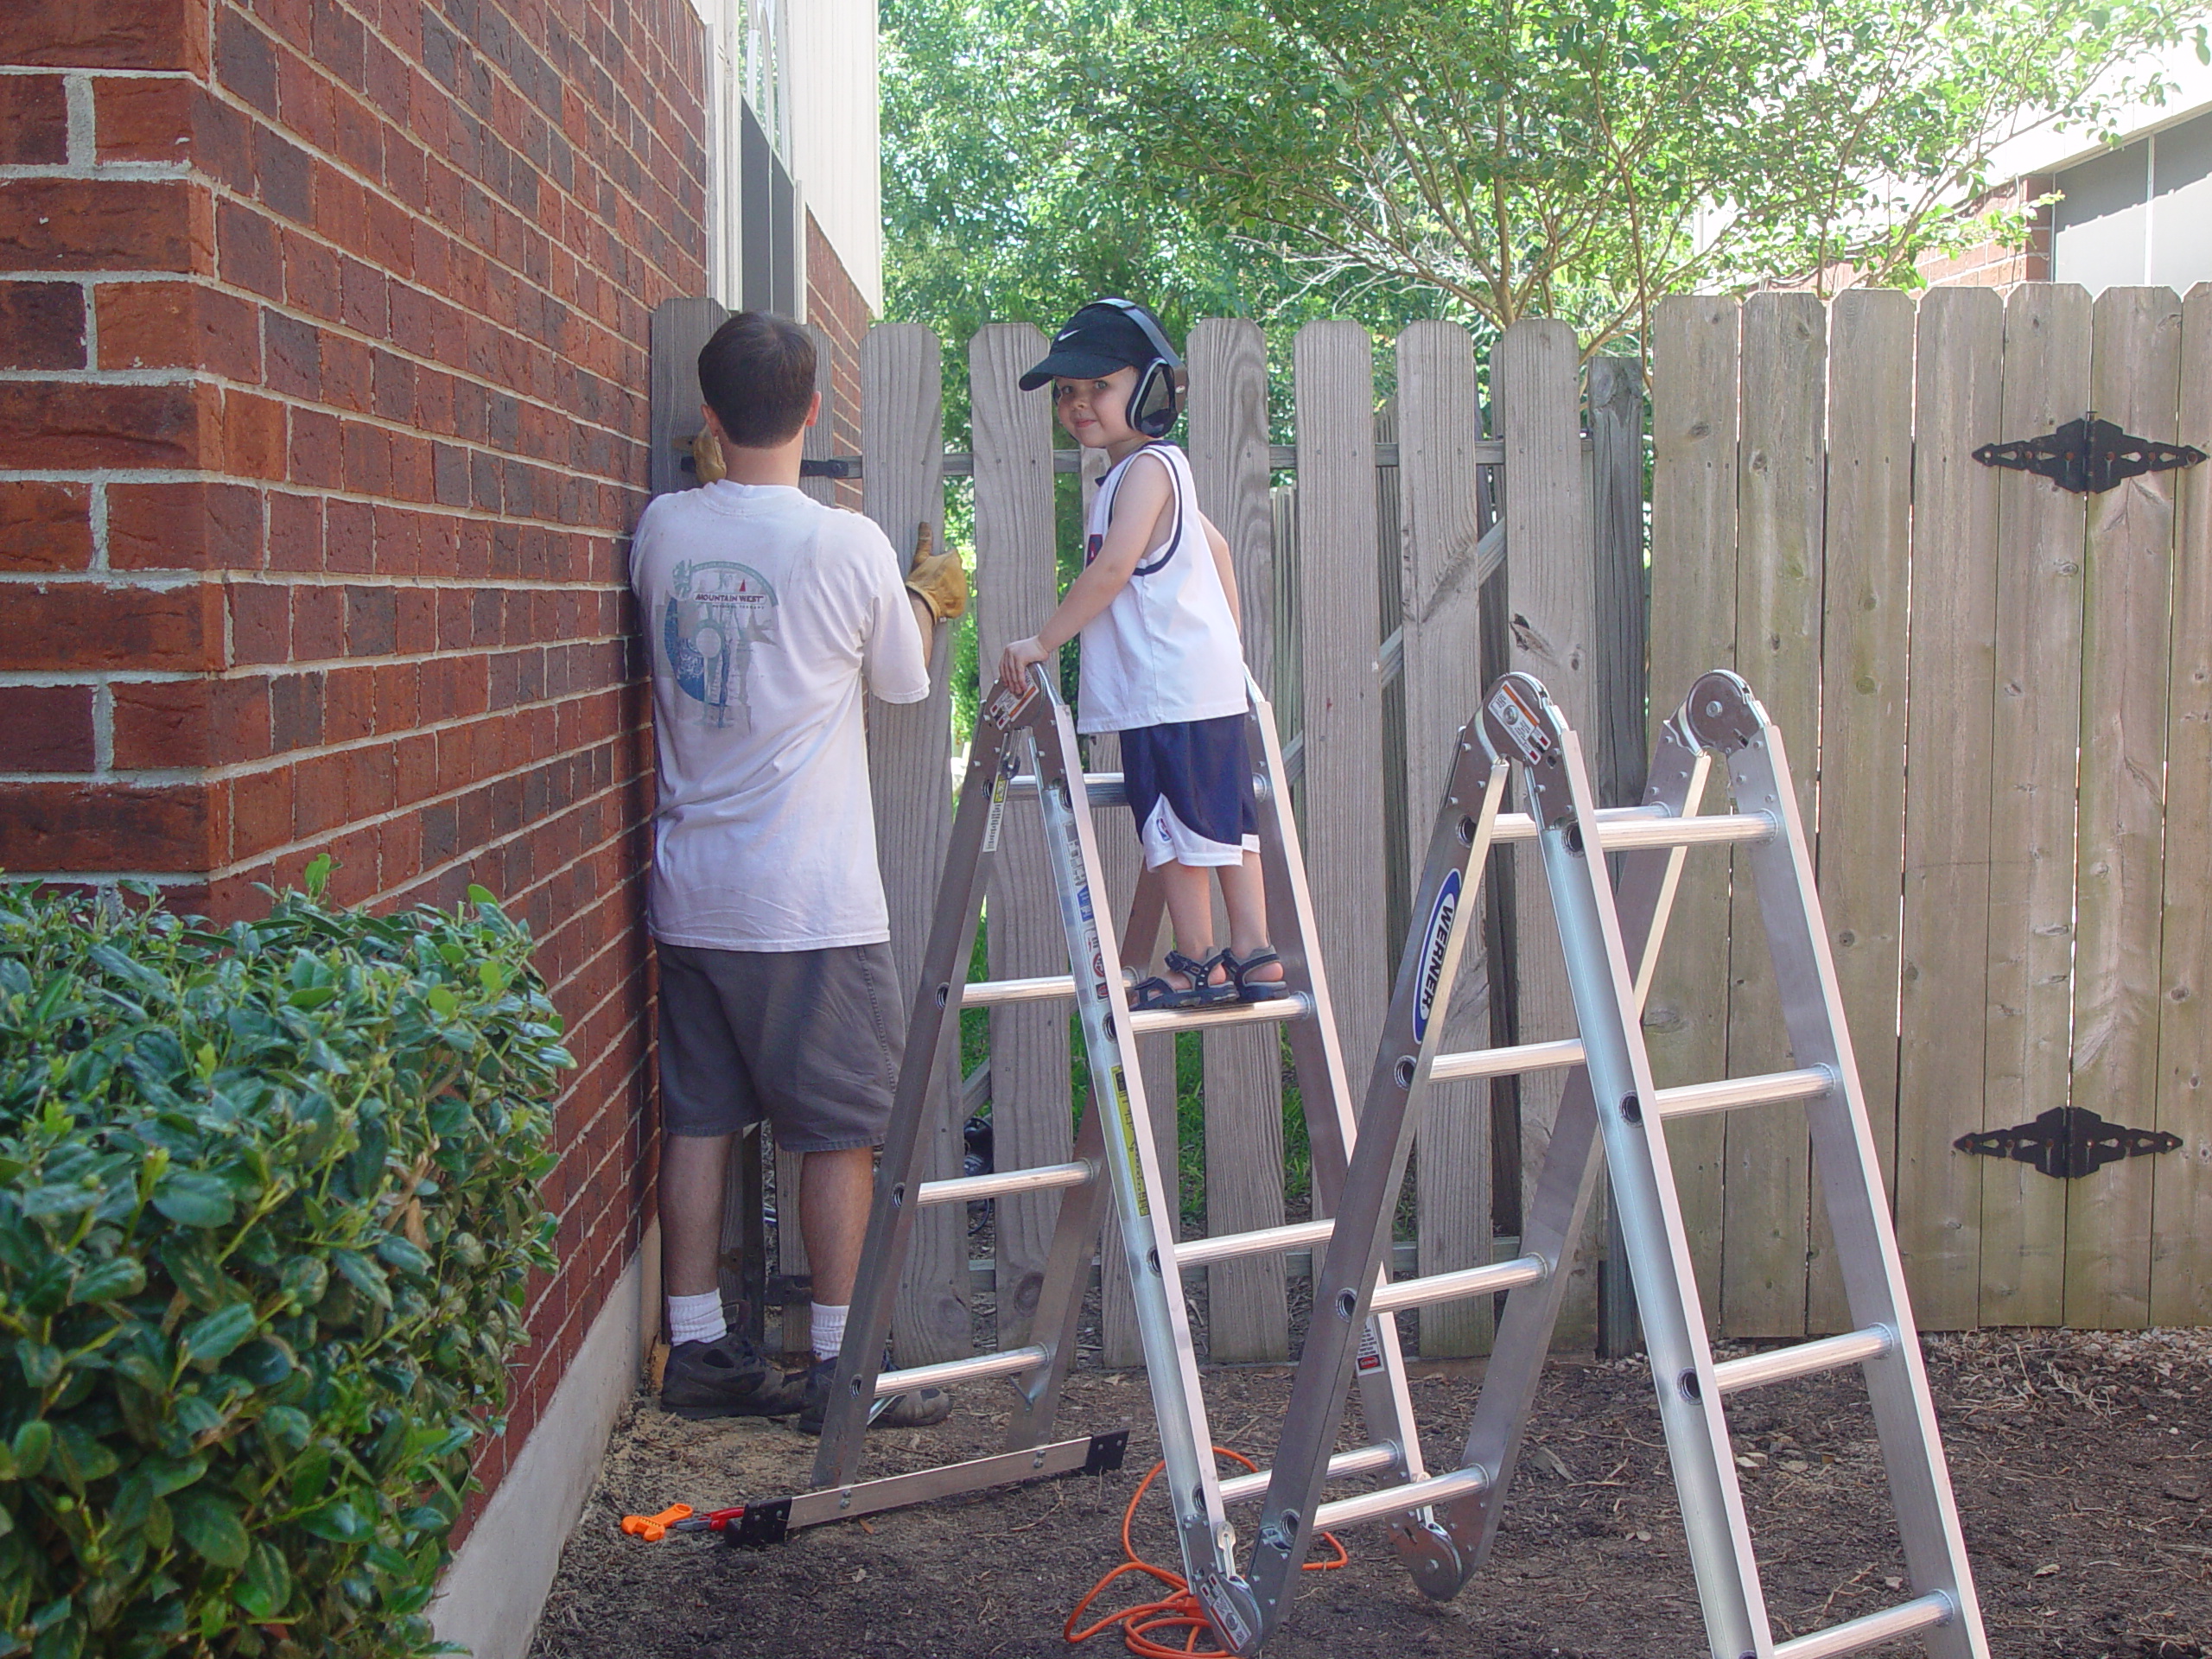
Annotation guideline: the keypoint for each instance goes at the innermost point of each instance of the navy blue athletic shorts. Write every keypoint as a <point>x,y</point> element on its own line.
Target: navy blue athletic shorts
<point>1203,772</point>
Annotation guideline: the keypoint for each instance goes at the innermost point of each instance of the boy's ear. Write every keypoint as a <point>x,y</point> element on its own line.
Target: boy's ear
<point>813,411</point>
<point>712,422</point>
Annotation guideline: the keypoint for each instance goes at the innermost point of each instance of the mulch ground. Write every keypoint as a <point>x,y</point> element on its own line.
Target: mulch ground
<point>2081,1461</point>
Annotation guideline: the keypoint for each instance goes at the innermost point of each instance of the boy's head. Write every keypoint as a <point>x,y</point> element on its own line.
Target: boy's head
<point>757,374</point>
<point>1110,335</point>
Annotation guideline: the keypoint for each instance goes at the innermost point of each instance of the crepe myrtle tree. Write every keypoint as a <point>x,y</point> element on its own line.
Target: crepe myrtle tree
<point>1579,158</point>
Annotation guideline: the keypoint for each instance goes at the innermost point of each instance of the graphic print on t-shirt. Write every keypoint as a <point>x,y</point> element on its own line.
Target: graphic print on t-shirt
<point>717,612</point>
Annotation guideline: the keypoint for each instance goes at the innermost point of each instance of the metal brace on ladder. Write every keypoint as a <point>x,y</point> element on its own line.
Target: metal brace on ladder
<point>1025,747</point>
<point>1610,945</point>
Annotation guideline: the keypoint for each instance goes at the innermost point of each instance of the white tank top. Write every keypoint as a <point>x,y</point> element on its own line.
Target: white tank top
<point>1165,649</point>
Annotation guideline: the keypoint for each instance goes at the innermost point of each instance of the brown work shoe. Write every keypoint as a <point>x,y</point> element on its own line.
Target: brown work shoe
<point>916,1408</point>
<point>726,1377</point>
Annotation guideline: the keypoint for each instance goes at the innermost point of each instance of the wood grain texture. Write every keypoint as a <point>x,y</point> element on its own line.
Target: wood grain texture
<point>2126,594</point>
<point>2027,1040</point>
<point>1765,1188</point>
<point>1693,387</point>
<point>2181,1223</point>
<point>1248,1313</point>
<point>1957,367</point>
<point>1868,541</point>
<point>1438,419</point>
<point>910,748</point>
<point>1615,416</point>
<point>1338,538</point>
<point>790,1249</point>
<point>1552,589</point>
<point>1015,591</point>
<point>680,328</point>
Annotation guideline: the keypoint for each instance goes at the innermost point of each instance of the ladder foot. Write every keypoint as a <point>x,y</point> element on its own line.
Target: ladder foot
<point>1427,1553</point>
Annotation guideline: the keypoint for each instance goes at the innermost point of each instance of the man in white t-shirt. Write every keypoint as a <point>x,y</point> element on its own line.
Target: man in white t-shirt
<point>765,615</point>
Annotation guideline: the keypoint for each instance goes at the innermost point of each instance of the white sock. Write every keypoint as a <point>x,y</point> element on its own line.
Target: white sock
<point>828,1330</point>
<point>696,1318</point>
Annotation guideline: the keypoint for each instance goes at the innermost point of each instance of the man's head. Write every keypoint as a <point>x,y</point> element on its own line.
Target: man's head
<point>1109,335</point>
<point>757,375</point>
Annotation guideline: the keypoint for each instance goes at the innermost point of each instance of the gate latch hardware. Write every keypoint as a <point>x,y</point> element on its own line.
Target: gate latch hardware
<point>2088,455</point>
<point>2068,1142</point>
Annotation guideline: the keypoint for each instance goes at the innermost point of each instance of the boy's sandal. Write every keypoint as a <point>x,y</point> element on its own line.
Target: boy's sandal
<point>1253,990</point>
<point>1150,995</point>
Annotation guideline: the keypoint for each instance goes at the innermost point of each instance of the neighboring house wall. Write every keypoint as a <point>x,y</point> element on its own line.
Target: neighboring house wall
<point>323,379</point>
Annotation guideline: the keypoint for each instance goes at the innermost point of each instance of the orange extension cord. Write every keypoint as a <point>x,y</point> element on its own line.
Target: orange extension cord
<point>1179,1609</point>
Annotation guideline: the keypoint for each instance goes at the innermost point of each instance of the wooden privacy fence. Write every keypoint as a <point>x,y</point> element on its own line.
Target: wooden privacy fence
<point>1374,624</point>
<point>1997,698</point>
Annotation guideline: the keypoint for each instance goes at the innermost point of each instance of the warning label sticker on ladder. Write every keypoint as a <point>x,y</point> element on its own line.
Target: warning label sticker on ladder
<point>1128,1122</point>
<point>1510,709</point>
<point>1371,1350</point>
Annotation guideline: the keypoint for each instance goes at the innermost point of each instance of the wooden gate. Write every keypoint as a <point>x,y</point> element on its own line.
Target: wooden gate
<point>1997,697</point>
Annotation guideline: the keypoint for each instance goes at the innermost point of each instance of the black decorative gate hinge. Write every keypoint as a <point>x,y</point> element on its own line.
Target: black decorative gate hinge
<point>2088,455</point>
<point>2068,1142</point>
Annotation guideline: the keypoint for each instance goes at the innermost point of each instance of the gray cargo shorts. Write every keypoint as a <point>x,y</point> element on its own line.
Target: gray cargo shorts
<point>807,1039</point>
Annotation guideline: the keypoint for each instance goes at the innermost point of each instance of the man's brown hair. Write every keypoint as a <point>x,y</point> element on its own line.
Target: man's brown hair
<point>757,374</point>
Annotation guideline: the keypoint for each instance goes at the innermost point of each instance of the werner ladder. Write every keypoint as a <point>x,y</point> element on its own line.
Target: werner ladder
<point>1025,747</point>
<point>1610,945</point>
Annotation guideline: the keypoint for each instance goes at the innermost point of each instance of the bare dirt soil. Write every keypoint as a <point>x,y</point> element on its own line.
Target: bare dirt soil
<point>2081,1463</point>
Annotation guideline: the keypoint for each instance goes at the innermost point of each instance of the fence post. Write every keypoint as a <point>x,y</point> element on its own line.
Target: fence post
<point>1015,590</point>
<point>1552,593</point>
<point>909,761</point>
<point>1615,390</point>
<point>1438,419</point>
<point>1247,1304</point>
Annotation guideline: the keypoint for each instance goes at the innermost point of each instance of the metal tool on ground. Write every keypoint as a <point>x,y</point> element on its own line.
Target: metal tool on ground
<point>1610,941</point>
<point>1025,747</point>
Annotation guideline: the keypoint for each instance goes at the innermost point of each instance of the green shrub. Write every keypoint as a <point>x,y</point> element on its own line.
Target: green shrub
<point>267,1206</point>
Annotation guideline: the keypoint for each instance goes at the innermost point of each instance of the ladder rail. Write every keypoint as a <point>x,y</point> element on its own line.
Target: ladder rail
<point>1386,1403</point>
<point>934,1019</point>
<point>1347,1275</point>
<point>1723,715</point>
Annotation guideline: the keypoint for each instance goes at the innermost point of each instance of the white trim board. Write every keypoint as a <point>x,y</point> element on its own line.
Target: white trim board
<point>495,1587</point>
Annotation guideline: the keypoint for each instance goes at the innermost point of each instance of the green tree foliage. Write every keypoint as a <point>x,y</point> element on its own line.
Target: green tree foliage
<point>268,1209</point>
<point>1569,158</point>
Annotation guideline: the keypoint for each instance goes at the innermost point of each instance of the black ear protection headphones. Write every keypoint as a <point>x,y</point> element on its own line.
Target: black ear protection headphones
<point>1161,388</point>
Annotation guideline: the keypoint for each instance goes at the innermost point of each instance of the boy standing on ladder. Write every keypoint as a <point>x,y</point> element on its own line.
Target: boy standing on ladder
<point>764,613</point>
<point>1163,662</point>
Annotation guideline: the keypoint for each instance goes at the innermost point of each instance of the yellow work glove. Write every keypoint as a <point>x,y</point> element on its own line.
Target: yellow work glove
<point>937,579</point>
<point>707,457</point>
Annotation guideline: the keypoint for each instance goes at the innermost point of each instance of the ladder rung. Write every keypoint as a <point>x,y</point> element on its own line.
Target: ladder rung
<point>1804,1359</point>
<point>1504,1061</point>
<point>986,993</point>
<point>1519,826</point>
<point>1197,1252</point>
<point>1005,1361</point>
<point>1623,829</point>
<point>1394,1500</point>
<point>967,1189</point>
<point>1365,1460</point>
<point>1871,1630</point>
<point>990,993</point>
<point>1732,1094</point>
<point>1102,788</point>
<point>1461,1283</point>
<point>1296,1005</point>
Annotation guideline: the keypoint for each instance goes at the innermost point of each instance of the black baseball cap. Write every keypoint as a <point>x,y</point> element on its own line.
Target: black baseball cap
<point>1095,341</point>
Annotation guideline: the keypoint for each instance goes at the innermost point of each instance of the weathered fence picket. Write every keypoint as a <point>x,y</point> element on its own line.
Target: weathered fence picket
<point>910,756</point>
<point>2180,1229</point>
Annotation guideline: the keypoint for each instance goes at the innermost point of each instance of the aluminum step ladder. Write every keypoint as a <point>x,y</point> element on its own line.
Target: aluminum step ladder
<point>1025,747</point>
<point>1610,945</point>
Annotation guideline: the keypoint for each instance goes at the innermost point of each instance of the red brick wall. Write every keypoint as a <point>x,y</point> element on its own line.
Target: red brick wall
<point>1996,264</point>
<point>323,374</point>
